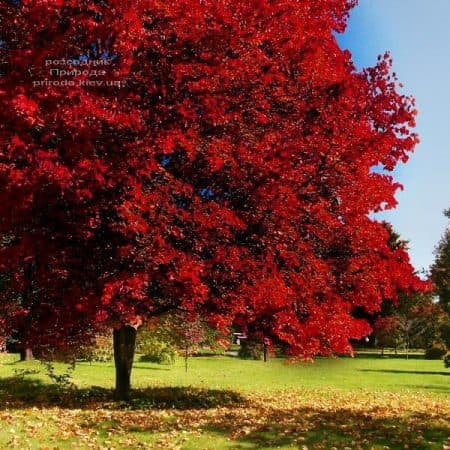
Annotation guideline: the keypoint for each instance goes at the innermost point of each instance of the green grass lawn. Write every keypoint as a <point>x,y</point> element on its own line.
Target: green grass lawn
<point>378,374</point>
<point>225,402</point>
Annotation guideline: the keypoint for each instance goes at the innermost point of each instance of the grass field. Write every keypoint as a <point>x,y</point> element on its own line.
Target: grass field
<point>228,403</point>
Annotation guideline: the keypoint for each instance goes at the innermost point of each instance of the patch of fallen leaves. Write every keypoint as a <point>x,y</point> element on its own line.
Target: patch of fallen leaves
<point>303,419</point>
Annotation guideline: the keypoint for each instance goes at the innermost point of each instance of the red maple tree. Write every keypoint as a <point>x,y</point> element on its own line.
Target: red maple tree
<point>207,156</point>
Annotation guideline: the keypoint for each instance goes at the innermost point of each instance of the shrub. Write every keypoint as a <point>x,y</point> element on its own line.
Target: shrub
<point>251,349</point>
<point>156,351</point>
<point>447,360</point>
<point>209,351</point>
<point>62,379</point>
<point>21,373</point>
<point>101,350</point>
<point>435,352</point>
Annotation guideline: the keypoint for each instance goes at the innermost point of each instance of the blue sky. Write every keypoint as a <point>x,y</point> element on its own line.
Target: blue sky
<point>417,33</point>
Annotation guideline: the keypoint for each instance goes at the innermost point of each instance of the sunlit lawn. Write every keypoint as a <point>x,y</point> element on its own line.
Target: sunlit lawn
<point>225,402</point>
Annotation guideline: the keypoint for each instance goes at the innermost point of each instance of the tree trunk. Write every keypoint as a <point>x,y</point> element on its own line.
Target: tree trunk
<point>26,354</point>
<point>124,345</point>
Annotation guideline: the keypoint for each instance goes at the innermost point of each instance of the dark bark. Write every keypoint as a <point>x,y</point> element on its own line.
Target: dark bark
<point>26,354</point>
<point>124,346</point>
<point>265,352</point>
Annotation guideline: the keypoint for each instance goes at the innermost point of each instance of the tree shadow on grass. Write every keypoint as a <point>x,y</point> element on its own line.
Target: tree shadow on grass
<point>139,366</point>
<point>19,392</point>
<point>414,372</point>
<point>249,423</point>
<point>386,356</point>
<point>317,428</point>
<point>182,398</point>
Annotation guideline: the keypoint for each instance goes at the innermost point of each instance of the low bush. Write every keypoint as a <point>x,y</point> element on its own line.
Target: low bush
<point>447,360</point>
<point>209,351</point>
<point>251,349</point>
<point>153,350</point>
<point>101,349</point>
<point>435,352</point>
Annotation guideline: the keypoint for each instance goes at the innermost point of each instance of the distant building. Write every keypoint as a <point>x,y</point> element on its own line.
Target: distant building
<point>238,337</point>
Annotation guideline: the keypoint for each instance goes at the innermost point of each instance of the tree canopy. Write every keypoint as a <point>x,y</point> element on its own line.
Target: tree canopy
<point>205,156</point>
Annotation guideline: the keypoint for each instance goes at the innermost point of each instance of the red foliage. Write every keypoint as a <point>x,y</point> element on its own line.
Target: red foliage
<point>229,175</point>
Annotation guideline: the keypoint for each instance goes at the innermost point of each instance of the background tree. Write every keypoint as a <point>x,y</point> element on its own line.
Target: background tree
<point>188,334</point>
<point>440,274</point>
<point>440,270</point>
<point>178,332</point>
<point>384,323</point>
<point>221,164</point>
<point>387,332</point>
<point>415,322</point>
